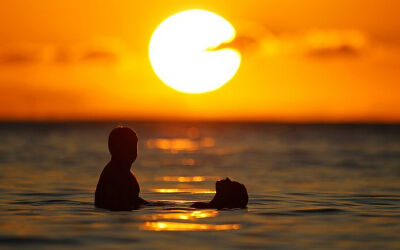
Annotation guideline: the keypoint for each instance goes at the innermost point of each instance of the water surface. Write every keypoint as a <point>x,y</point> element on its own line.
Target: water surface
<point>310,186</point>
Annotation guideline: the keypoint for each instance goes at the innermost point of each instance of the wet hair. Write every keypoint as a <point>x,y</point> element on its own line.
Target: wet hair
<point>122,142</point>
<point>242,198</point>
<point>235,195</point>
<point>230,194</point>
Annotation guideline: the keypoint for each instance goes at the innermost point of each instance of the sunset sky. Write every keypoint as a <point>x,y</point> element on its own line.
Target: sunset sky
<point>302,61</point>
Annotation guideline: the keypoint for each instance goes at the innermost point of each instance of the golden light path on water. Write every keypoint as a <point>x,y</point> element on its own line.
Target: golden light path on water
<point>183,190</point>
<point>184,215</point>
<point>155,225</point>
<point>187,178</point>
<point>177,226</point>
<point>175,145</point>
<point>180,144</point>
<point>183,178</point>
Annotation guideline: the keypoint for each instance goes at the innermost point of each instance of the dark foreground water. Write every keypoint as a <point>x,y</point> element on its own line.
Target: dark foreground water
<point>310,186</point>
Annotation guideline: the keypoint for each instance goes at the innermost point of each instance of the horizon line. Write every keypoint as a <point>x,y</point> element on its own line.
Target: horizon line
<point>260,121</point>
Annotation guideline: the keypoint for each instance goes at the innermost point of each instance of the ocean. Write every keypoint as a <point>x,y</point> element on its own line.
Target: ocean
<point>311,186</point>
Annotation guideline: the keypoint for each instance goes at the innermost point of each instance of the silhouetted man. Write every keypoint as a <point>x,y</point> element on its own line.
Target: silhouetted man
<point>229,194</point>
<point>118,188</point>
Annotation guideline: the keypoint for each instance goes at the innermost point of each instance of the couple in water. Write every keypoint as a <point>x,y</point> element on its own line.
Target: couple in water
<point>118,188</point>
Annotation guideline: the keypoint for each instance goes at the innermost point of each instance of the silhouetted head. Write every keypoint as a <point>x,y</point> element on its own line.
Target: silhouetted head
<point>122,143</point>
<point>230,194</point>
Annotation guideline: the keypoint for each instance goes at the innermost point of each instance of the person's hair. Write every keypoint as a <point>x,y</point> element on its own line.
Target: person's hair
<point>232,196</point>
<point>121,141</point>
<point>240,196</point>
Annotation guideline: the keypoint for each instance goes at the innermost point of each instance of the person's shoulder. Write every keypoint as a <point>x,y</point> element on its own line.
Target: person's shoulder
<point>106,171</point>
<point>110,175</point>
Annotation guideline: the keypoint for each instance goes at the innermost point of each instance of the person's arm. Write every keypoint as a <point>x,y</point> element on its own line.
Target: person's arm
<point>142,201</point>
<point>201,205</point>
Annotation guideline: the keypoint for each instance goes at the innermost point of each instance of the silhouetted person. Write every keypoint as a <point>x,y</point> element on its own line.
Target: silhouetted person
<point>229,194</point>
<point>118,188</point>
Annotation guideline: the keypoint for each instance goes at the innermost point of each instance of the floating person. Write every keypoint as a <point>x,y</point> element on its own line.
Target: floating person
<point>118,188</point>
<point>229,194</point>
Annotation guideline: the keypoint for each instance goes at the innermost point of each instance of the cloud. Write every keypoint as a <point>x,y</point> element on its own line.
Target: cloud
<point>338,51</point>
<point>25,54</point>
<point>241,43</point>
<point>334,43</point>
<point>312,44</point>
<point>252,39</point>
<point>17,58</point>
<point>99,56</point>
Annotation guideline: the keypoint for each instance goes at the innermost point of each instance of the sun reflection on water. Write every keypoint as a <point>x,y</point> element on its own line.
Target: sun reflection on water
<point>177,226</point>
<point>184,190</point>
<point>185,215</point>
<point>184,178</point>
<point>187,178</point>
<point>180,144</point>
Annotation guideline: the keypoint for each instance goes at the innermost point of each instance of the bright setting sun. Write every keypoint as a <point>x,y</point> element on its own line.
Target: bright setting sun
<point>184,51</point>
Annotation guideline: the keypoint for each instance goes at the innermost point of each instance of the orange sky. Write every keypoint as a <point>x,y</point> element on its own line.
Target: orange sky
<point>302,61</point>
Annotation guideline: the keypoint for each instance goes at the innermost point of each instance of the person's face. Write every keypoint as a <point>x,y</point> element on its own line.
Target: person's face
<point>135,153</point>
<point>132,151</point>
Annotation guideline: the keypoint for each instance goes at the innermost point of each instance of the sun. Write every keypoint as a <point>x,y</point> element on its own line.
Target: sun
<point>184,51</point>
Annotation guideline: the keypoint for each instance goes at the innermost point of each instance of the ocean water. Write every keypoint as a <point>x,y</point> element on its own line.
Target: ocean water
<point>310,186</point>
